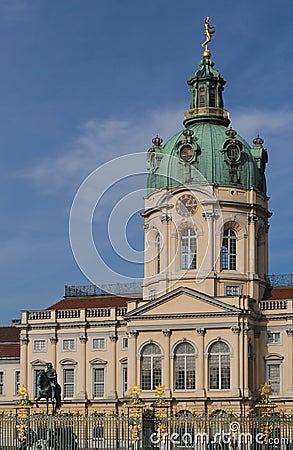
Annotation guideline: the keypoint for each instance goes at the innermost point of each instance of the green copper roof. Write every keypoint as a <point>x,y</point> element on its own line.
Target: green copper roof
<point>206,151</point>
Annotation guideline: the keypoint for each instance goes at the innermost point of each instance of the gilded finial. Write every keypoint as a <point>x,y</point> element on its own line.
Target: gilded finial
<point>209,31</point>
<point>134,391</point>
<point>159,390</point>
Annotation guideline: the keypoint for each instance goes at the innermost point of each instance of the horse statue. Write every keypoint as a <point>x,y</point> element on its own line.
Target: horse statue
<point>48,390</point>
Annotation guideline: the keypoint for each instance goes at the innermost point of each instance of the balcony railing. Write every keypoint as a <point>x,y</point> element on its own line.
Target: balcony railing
<point>92,290</point>
<point>206,111</point>
<point>271,305</point>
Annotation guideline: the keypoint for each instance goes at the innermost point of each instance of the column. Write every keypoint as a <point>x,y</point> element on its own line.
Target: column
<point>166,362</point>
<point>82,394</point>
<point>290,360</point>
<point>201,372</point>
<point>235,378</point>
<point>112,370</point>
<point>209,265</point>
<point>252,219</point>
<point>245,356</point>
<point>132,357</point>
<point>24,340</point>
<point>53,339</point>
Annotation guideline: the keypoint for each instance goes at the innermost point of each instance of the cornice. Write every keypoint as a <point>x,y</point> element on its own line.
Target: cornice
<point>185,316</point>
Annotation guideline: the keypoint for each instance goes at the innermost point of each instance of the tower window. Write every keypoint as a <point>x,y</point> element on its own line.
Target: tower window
<point>188,249</point>
<point>212,97</point>
<point>202,97</point>
<point>229,250</point>
<point>158,253</point>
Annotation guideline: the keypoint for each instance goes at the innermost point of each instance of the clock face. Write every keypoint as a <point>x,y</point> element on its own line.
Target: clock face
<point>186,205</point>
<point>186,153</point>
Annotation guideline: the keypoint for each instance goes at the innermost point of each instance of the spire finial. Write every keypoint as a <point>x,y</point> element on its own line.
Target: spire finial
<point>208,32</point>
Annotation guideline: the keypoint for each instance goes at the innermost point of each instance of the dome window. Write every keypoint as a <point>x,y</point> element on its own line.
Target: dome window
<point>186,153</point>
<point>233,153</point>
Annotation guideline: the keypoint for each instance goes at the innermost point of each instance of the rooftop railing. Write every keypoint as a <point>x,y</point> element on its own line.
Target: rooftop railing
<point>281,279</point>
<point>91,290</point>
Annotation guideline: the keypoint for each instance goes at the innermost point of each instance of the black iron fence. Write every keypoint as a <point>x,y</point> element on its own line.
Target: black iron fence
<point>144,429</point>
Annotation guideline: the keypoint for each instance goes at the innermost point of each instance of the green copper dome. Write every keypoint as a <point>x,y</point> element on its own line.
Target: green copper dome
<point>207,150</point>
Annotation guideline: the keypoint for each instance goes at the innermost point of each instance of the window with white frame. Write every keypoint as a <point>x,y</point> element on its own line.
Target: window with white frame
<point>274,377</point>
<point>158,253</point>
<point>1,382</point>
<point>124,379</point>
<point>99,343</point>
<point>229,250</point>
<point>68,382</point>
<point>232,290</point>
<point>16,381</point>
<point>39,345</point>
<point>98,382</point>
<point>152,294</point>
<point>188,249</point>
<point>124,343</point>
<point>184,366</point>
<point>273,337</point>
<point>68,345</point>
<point>219,366</point>
<point>151,367</point>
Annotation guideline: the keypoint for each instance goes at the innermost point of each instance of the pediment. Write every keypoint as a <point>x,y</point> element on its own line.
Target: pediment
<point>98,361</point>
<point>183,302</point>
<point>38,362</point>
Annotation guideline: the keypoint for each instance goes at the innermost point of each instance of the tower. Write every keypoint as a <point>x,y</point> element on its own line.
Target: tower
<point>206,210</point>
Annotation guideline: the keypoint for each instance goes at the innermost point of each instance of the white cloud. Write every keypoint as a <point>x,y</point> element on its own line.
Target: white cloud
<point>99,142</point>
<point>251,122</point>
<point>102,140</point>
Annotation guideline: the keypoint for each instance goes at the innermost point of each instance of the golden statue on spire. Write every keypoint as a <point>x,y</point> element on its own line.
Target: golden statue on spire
<point>209,31</point>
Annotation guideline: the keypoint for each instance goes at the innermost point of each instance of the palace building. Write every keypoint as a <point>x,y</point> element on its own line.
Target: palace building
<point>209,325</point>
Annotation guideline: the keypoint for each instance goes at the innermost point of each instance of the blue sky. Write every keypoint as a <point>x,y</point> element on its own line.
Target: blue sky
<point>85,81</point>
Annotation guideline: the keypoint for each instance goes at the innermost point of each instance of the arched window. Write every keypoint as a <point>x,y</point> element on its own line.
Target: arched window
<point>151,367</point>
<point>158,253</point>
<point>188,249</point>
<point>184,366</point>
<point>229,250</point>
<point>219,366</point>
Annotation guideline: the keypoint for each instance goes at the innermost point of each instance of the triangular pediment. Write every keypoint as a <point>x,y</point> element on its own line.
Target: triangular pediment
<point>183,302</point>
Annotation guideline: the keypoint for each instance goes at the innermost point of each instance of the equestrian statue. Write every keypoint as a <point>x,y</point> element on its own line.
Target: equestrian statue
<point>48,388</point>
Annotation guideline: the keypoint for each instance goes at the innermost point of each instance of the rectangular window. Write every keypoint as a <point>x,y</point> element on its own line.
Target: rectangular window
<point>68,383</point>
<point>124,380</point>
<point>16,381</point>
<point>99,382</point>
<point>40,345</point>
<point>273,337</point>
<point>274,377</point>
<point>232,290</point>
<point>1,383</point>
<point>202,97</point>
<point>212,97</point>
<point>99,344</point>
<point>68,345</point>
<point>124,343</point>
<point>152,294</point>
